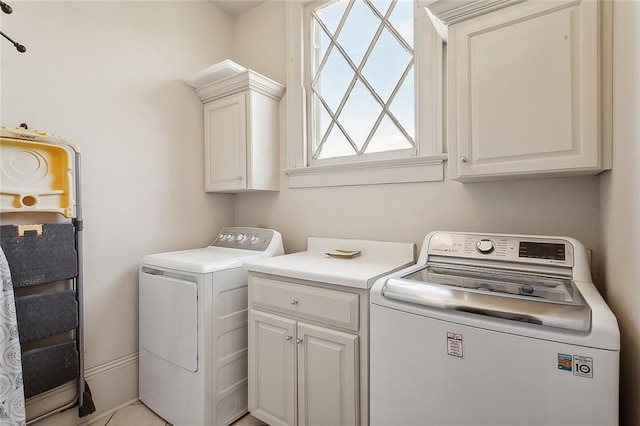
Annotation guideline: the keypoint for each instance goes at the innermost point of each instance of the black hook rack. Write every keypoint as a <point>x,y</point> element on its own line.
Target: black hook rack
<point>8,10</point>
<point>5,7</point>
<point>20,48</point>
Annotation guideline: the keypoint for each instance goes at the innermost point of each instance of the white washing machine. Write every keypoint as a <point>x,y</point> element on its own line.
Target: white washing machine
<point>193,328</point>
<point>493,330</point>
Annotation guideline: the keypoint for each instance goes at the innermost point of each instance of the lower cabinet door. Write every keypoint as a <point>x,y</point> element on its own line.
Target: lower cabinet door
<point>327,376</point>
<point>272,381</point>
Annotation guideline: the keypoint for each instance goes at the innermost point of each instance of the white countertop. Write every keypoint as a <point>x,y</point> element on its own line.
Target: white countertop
<point>377,258</point>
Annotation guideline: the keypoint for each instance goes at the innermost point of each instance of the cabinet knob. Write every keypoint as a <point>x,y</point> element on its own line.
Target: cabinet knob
<point>298,341</point>
<point>239,177</point>
<point>464,159</point>
<point>288,337</point>
<point>294,301</point>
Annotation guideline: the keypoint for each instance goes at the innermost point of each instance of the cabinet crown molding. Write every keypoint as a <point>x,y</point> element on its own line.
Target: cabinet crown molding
<point>228,78</point>
<point>244,80</point>
<point>452,11</point>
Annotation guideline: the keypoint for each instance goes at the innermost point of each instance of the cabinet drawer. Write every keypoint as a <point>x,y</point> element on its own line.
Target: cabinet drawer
<point>317,304</point>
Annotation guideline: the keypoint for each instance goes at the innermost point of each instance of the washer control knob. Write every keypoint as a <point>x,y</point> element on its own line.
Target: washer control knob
<point>485,246</point>
<point>255,239</point>
<point>241,237</point>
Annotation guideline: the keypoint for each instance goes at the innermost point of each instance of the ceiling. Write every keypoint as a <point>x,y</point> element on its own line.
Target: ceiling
<point>236,8</point>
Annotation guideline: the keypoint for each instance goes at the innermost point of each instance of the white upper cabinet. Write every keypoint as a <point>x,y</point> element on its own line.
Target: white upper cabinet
<point>524,92</point>
<point>241,128</point>
<point>225,144</point>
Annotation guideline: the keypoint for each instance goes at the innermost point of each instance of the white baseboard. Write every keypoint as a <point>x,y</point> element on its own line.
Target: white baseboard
<point>113,385</point>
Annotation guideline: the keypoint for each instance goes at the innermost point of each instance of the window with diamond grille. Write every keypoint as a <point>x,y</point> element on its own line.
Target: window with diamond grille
<point>361,82</point>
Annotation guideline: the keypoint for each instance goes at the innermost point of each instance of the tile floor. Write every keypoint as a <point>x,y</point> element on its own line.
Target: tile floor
<point>139,415</point>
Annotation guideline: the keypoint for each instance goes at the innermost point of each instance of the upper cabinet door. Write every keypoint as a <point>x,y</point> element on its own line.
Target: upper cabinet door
<point>225,147</point>
<point>524,92</point>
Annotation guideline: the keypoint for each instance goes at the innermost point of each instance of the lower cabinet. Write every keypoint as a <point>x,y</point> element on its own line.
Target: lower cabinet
<point>302,373</point>
<point>272,373</point>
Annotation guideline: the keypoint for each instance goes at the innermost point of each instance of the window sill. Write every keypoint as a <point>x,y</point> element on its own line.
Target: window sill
<point>426,168</point>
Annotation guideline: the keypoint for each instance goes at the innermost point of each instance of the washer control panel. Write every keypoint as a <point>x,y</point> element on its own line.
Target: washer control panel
<point>257,239</point>
<point>510,248</point>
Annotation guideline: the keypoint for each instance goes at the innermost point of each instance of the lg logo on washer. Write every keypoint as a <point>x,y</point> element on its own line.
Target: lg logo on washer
<point>580,365</point>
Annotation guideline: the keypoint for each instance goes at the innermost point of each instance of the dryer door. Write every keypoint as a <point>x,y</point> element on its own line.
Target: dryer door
<point>169,317</point>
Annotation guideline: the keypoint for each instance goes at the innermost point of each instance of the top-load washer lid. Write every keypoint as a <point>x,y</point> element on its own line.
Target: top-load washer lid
<point>544,300</point>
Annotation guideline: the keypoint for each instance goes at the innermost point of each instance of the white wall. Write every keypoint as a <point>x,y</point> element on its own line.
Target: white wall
<point>406,212</point>
<point>402,212</point>
<point>259,39</point>
<point>108,75</point>
<point>620,200</point>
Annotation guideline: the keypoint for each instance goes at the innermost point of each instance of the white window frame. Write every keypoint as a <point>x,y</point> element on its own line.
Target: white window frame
<point>427,166</point>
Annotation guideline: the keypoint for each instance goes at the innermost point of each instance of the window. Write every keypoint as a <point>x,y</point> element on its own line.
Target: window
<point>364,93</point>
<point>360,79</point>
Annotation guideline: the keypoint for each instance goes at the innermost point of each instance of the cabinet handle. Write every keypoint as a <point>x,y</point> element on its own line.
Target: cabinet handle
<point>298,341</point>
<point>464,159</point>
<point>288,338</point>
<point>294,301</point>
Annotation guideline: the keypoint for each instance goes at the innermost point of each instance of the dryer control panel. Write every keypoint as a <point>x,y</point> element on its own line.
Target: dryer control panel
<point>245,238</point>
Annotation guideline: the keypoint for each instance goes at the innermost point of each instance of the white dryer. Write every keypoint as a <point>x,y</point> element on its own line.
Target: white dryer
<point>193,328</point>
<point>493,330</point>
